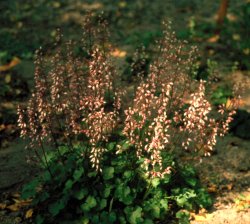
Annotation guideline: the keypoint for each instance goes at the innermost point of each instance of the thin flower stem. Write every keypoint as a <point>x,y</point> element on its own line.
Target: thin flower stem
<point>45,158</point>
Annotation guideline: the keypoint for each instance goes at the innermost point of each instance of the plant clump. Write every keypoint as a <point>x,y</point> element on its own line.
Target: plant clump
<point>113,162</point>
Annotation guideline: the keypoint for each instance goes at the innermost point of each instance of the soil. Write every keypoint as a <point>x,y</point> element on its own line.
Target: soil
<point>227,175</point>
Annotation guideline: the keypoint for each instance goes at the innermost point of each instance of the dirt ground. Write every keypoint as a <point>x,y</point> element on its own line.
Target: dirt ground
<point>227,175</point>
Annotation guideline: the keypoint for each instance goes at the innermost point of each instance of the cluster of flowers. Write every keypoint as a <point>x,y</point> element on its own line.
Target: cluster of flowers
<point>170,110</point>
<point>78,97</point>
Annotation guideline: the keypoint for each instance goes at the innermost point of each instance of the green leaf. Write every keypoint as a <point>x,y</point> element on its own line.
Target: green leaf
<point>183,217</point>
<point>80,194</point>
<point>188,171</point>
<point>155,182</point>
<point>164,203</point>
<point>39,219</point>
<point>204,200</point>
<point>108,173</point>
<point>47,176</point>
<point>89,204</point>
<point>106,191</point>
<point>43,196</point>
<point>191,181</point>
<point>103,204</point>
<point>108,218</point>
<point>184,198</point>
<point>181,201</point>
<point>112,217</point>
<point>68,185</point>
<point>155,211</point>
<point>95,219</point>
<point>125,145</point>
<point>78,174</point>
<point>84,220</point>
<point>122,220</point>
<point>104,217</point>
<point>50,157</point>
<point>123,193</point>
<point>29,190</point>
<point>92,174</point>
<point>111,145</point>
<point>91,201</point>
<point>70,164</point>
<point>56,207</point>
<point>128,174</point>
<point>135,216</point>
<point>148,221</point>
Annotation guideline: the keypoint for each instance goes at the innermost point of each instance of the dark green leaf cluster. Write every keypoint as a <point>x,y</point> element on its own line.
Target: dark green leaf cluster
<point>121,193</point>
<point>221,95</point>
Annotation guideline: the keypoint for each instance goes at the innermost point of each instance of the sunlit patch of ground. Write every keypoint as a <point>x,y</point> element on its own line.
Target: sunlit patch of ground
<point>224,216</point>
<point>244,79</point>
<point>227,176</point>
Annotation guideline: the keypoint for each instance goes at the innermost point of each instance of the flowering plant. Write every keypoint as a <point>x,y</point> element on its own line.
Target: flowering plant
<point>77,105</point>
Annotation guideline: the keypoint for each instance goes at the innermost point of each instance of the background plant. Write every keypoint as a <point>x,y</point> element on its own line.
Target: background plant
<point>111,166</point>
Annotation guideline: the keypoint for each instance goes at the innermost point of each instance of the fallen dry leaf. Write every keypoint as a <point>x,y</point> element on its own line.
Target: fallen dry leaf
<point>212,188</point>
<point>246,51</point>
<point>29,213</point>
<point>2,127</point>
<point>16,195</point>
<point>22,202</point>
<point>201,217</point>
<point>248,197</point>
<point>231,17</point>
<point>93,6</point>
<point>8,105</point>
<point>15,61</point>
<point>119,53</point>
<point>229,103</point>
<point>13,208</point>
<point>229,187</point>
<point>243,202</point>
<point>122,4</point>
<point>18,204</point>
<point>7,79</point>
<point>236,37</point>
<point>211,52</point>
<point>56,4</point>
<point>213,39</point>
<point>2,206</point>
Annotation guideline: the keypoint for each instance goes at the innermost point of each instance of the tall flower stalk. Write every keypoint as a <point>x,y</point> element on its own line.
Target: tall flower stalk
<point>77,97</point>
<point>162,116</point>
<point>71,99</point>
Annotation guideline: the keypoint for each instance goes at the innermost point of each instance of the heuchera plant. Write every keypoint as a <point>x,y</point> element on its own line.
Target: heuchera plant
<point>77,105</point>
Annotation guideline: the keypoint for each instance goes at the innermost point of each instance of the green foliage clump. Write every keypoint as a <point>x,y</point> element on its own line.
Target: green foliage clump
<point>74,192</point>
<point>221,95</point>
